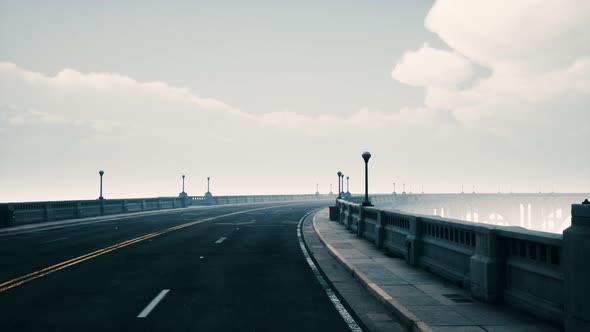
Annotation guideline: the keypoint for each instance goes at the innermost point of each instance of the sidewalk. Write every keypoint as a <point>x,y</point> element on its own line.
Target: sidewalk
<point>420,299</point>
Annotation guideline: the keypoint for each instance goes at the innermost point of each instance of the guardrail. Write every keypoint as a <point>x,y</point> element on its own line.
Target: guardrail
<point>498,264</point>
<point>34,212</point>
<point>218,200</point>
<point>12,214</point>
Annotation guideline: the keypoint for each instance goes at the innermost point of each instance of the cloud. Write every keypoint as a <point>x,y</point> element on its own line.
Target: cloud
<point>532,34</point>
<point>431,67</point>
<point>536,53</point>
<point>104,102</point>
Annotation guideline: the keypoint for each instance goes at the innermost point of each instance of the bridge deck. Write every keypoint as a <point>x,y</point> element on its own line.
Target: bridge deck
<point>225,268</point>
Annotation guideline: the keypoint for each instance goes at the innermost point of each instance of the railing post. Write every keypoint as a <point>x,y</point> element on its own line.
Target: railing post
<point>78,211</point>
<point>335,213</point>
<point>361,222</point>
<point>124,206</point>
<point>576,250</point>
<point>379,229</point>
<point>7,217</point>
<point>101,202</point>
<point>143,205</point>
<point>486,267</point>
<point>413,244</point>
<point>348,218</point>
<point>48,212</point>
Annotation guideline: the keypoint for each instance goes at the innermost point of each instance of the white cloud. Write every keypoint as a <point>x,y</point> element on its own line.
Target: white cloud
<point>537,53</point>
<point>529,33</point>
<point>431,67</point>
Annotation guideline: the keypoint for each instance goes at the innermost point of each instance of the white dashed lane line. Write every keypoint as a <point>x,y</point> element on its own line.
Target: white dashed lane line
<point>153,304</point>
<point>221,239</point>
<point>55,240</point>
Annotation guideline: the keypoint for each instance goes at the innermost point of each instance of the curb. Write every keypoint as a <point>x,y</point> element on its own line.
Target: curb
<point>400,311</point>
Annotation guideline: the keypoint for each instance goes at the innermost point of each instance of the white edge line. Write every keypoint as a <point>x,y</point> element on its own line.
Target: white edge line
<point>153,304</point>
<point>324,283</point>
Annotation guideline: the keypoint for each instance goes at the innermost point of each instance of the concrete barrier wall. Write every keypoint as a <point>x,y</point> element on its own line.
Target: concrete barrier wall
<point>218,200</point>
<point>12,214</point>
<point>498,264</point>
<point>547,212</point>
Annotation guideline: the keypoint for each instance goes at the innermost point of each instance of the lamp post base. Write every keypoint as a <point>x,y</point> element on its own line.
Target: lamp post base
<point>367,204</point>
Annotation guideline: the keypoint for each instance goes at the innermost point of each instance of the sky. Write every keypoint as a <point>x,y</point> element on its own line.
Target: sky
<point>272,97</point>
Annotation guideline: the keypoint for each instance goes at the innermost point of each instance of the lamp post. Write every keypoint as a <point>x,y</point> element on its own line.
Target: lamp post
<point>183,183</point>
<point>366,156</point>
<point>317,188</point>
<point>208,181</point>
<point>403,188</point>
<point>339,175</point>
<point>347,187</point>
<point>101,173</point>
<point>394,188</point>
<point>331,193</point>
<point>342,179</point>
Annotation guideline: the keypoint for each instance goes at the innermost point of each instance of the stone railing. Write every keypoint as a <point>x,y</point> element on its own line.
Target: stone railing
<point>547,212</point>
<point>498,264</point>
<point>218,200</point>
<point>34,212</point>
<point>12,214</point>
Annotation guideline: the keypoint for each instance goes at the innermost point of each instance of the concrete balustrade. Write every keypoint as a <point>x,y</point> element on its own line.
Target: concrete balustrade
<point>218,200</point>
<point>34,212</point>
<point>549,211</point>
<point>545,274</point>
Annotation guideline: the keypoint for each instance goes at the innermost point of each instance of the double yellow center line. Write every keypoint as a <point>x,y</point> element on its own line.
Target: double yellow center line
<point>59,266</point>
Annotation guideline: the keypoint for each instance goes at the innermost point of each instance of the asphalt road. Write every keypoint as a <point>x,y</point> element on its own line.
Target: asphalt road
<point>193,270</point>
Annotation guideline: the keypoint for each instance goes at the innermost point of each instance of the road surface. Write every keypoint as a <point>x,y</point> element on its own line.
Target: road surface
<point>224,268</point>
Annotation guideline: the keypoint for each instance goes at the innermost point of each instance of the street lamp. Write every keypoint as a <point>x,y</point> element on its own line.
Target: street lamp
<point>347,187</point>
<point>366,156</point>
<point>331,193</point>
<point>342,176</point>
<point>208,182</point>
<point>394,188</point>
<point>183,183</point>
<point>101,173</point>
<point>339,175</point>
<point>317,188</point>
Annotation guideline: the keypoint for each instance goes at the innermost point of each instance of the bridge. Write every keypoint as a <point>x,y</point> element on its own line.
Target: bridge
<point>247,262</point>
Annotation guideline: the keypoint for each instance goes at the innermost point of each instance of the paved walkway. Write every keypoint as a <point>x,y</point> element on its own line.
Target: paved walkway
<point>420,299</point>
